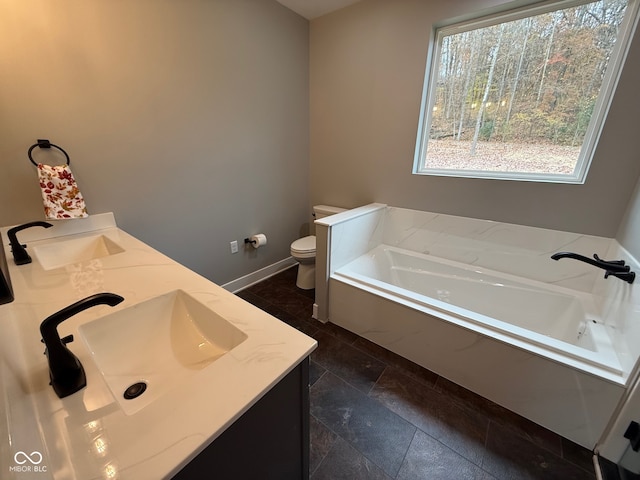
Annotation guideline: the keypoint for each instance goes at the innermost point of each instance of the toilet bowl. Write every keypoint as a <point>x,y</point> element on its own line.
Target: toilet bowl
<point>303,251</point>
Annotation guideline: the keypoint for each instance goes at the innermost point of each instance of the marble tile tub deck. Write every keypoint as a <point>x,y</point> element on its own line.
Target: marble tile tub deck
<point>375,415</point>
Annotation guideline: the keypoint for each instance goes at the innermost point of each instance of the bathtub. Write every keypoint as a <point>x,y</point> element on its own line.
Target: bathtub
<point>481,304</point>
<point>554,321</point>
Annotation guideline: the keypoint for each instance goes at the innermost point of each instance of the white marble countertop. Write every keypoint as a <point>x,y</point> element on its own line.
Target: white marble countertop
<point>87,435</point>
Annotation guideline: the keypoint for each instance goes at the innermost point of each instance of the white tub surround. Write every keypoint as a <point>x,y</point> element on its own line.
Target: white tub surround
<point>335,247</point>
<point>622,306</point>
<point>87,434</point>
<point>483,304</point>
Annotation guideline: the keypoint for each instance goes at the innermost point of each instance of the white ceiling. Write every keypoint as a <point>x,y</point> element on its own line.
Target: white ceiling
<point>310,9</point>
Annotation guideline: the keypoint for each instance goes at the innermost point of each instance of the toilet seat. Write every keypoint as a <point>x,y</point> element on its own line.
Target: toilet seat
<point>304,247</point>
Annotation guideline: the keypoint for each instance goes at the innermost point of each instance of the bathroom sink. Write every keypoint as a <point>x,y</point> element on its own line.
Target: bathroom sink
<point>155,345</point>
<point>67,252</point>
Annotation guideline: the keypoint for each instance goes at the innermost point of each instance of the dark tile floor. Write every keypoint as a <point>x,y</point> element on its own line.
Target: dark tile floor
<point>375,415</point>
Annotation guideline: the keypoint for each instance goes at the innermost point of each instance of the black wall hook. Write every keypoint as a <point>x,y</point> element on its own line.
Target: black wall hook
<point>44,143</point>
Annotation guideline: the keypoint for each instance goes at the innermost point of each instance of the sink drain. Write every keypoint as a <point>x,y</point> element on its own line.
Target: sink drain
<point>135,390</point>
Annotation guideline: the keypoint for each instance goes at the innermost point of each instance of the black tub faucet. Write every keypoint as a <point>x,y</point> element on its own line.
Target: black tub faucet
<point>20,255</point>
<point>611,265</point>
<point>616,268</point>
<point>65,370</point>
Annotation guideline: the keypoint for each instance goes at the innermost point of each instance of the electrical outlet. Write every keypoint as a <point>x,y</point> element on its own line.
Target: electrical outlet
<point>234,246</point>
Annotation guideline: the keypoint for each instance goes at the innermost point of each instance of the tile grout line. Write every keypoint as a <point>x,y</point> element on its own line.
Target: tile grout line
<point>404,457</point>
<point>380,404</point>
<point>326,454</point>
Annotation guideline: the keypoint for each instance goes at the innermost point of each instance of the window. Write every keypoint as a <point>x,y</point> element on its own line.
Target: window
<point>523,95</point>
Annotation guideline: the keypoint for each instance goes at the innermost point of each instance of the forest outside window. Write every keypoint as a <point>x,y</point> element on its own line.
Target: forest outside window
<point>523,95</point>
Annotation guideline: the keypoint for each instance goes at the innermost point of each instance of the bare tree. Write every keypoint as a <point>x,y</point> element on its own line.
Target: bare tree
<point>494,58</point>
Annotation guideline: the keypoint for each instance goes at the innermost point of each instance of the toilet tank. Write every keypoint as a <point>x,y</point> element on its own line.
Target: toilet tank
<point>321,211</point>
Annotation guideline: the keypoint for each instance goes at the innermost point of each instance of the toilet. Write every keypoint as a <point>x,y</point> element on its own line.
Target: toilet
<point>303,250</point>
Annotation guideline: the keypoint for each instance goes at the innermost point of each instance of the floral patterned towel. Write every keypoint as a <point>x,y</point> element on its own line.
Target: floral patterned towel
<point>60,193</point>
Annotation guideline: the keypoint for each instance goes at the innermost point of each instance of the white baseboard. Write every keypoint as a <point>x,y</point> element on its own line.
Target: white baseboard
<point>315,315</point>
<point>234,286</point>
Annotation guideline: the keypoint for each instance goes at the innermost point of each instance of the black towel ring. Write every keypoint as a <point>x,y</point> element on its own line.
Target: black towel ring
<point>45,144</point>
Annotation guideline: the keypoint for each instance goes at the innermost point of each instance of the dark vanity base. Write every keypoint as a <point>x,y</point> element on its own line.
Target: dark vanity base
<point>270,441</point>
<point>6,293</point>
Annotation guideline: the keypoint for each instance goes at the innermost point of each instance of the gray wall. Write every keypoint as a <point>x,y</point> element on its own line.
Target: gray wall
<point>367,70</point>
<point>629,234</point>
<point>188,119</point>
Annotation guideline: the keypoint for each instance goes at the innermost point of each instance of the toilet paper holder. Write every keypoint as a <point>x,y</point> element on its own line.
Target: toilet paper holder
<point>257,240</point>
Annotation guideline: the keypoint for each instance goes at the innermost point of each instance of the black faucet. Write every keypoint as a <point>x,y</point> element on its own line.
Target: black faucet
<point>628,277</point>
<point>65,370</point>
<point>20,255</point>
<point>616,268</point>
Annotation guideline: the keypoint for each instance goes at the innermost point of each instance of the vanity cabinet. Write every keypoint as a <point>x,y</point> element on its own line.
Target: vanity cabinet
<point>269,441</point>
